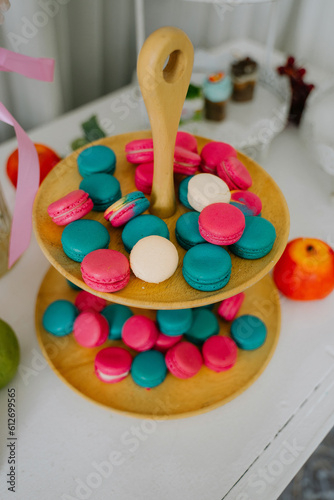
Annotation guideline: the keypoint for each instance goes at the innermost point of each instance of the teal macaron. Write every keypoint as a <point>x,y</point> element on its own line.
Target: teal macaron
<point>142,226</point>
<point>257,239</point>
<point>248,332</point>
<point>59,317</point>
<point>205,324</point>
<point>183,192</point>
<point>103,189</point>
<point>83,236</point>
<point>149,369</point>
<point>116,314</point>
<point>187,230</point>
<point>174,322</point>
<point>207,267</point>
<point>96,159</point>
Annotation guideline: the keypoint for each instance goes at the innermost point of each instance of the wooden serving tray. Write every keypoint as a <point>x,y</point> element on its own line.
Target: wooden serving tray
<point>173,293</point>
<point>174,398</point>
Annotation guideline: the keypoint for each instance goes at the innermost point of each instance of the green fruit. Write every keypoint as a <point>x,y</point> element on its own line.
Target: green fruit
<point>9,353</point>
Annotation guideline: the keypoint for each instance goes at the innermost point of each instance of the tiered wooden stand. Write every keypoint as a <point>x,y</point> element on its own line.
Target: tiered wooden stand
<point>74,364</point>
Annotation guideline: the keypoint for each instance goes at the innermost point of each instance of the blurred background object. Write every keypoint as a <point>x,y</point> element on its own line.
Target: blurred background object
<point>94,43</point>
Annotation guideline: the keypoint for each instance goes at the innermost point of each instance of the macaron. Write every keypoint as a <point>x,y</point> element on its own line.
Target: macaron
<point>141,227</point>
<point>126,208</point>
<point>229,308</point>
<point>9,353</point>
<point>139,333</point>
<point>219,353</point>
<point>234,173</point>
<point>207,267</point>
<point>213,153</point>
<point>204,325</point>
<point>105,270</point>
<point>149,369</point>
<point>186,141</point>
<point>185,162</point>
<point>85,300</point>
<point>257,239</point>
<point>184,360</point>
<point>139,151</point>
<point>81,237</point>
<point>249,199</point>
<point>71,207</point>
<point>205,189</point>
<point>165,342</point>
<point>187,230</point>
<point>116,315</point>
<point>59,317</point>
<point>112,364</point>
<point>144,177</point>
<point>154,259</point>
<point>174,322</point>
<point>103,189</point>
<point>90,329</point>
<point>95,160</point>
<point>183,192</point>
<point>221,224</point>
<point>249,332</point>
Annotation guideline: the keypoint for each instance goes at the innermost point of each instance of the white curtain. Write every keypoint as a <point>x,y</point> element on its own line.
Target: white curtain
<point>94,43</point>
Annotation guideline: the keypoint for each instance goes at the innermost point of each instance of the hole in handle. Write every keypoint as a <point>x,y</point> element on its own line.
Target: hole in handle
<point>174,66</point>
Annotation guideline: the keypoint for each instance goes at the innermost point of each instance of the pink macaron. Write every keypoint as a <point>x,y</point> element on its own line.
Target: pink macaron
<point>165,342</point>
<point>234,173</point>
<point>185,162</point>
<point>85,300</point>
<point>229,308</point>
<point>221,224</point>
<point>140,333</point>
<point>71,207</point>
<point>105,270</point>
<point>186,141</point>
<point>126,208</point>
<point>139,151</point>
<point>144,177</point>
<point>184,360</point>
<point>219,353</point>
<point>213,153</point>
<point>251,200</point>
<point>90,329</point>
<point>112,364</point>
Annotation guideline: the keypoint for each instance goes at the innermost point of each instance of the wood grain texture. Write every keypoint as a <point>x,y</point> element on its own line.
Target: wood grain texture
<point>174,398</point>
<point>164,90</point>
<point>173,293</point>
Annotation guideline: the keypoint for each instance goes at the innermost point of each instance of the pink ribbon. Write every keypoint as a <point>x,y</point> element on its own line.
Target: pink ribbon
<point>28,168</point>
<point>38,68</point>
<point>27,185</point>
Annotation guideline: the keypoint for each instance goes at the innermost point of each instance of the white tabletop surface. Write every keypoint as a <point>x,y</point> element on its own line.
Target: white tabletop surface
<point>68,448</point>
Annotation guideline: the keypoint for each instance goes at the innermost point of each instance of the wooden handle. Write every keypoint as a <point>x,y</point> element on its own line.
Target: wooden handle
<point>164,89</point>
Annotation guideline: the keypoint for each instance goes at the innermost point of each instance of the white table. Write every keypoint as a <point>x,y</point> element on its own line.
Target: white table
<point>68,448</point>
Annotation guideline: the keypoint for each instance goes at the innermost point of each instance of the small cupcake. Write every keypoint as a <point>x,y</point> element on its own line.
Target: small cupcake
<point>217,89</point>
<point>244,78</point>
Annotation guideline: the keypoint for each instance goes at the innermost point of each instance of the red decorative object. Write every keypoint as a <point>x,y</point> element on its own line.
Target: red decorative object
<point>47,160</point>
<point>305,270</point>
<point>300,89</point>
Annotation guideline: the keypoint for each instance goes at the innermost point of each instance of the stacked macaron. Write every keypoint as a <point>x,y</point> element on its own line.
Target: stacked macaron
<point>223,214</point>
<point>177,341</point>
<point>140,153</point>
